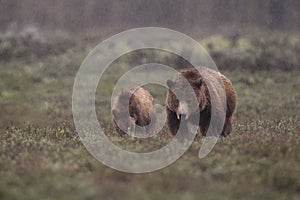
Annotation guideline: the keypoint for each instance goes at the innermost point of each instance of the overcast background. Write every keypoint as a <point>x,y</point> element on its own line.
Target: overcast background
<point>191,16</point>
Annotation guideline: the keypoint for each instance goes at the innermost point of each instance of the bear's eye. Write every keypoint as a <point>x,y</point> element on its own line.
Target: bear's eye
<point>176,102</point>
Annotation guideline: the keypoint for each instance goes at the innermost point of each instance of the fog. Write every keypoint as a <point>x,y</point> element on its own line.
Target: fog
<point>190,16</point>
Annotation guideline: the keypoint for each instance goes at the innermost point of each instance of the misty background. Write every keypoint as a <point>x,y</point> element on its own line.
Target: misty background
<point>192,17</point>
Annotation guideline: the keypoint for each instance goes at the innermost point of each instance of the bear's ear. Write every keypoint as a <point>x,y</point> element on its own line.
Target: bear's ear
<point>170,83</point>
<point>198,82</point>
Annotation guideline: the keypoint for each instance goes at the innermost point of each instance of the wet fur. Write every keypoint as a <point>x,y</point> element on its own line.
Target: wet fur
<point>193,76</point>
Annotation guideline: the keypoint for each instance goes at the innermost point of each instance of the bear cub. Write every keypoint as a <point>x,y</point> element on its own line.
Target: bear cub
<point>131,107</point>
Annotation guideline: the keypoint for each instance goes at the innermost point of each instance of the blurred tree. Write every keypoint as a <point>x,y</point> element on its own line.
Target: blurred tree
<point>183,15</point>
<point>276,11</point>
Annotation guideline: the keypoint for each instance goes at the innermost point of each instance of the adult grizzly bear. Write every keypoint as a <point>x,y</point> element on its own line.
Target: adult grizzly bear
<point>180,109</point>
<point>131,107</point>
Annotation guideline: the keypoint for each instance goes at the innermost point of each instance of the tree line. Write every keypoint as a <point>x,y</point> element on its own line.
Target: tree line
<point>96,14</point>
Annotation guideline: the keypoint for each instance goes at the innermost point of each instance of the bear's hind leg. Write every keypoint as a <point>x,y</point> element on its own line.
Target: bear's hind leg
<point>172,121</point>
<point>227,127</point>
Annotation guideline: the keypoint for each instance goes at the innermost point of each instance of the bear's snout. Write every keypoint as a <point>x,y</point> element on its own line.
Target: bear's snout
<point>183,110</point>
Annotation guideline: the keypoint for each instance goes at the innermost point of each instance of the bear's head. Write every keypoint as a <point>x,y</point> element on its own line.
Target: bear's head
<point>187,92</point>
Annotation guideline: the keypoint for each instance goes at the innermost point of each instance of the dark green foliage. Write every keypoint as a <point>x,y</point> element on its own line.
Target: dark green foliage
<point>255,52</point>
<point>30,43</point>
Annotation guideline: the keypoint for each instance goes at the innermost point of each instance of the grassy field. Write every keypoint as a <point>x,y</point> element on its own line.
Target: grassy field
<point>42,157</point>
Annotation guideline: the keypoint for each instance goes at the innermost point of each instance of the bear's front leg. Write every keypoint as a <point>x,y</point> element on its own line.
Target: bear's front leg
<point>172,121</point>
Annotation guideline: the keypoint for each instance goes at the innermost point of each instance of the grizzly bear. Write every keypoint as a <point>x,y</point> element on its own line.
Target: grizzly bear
<point>131,107</point>
<point>180,109</point>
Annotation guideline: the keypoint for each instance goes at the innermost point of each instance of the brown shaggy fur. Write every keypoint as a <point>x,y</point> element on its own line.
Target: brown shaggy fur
<point>201,91</point>
<point>140,105</point>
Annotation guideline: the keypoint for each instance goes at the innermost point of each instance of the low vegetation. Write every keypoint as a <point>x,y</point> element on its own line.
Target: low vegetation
<point>42,156</point>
